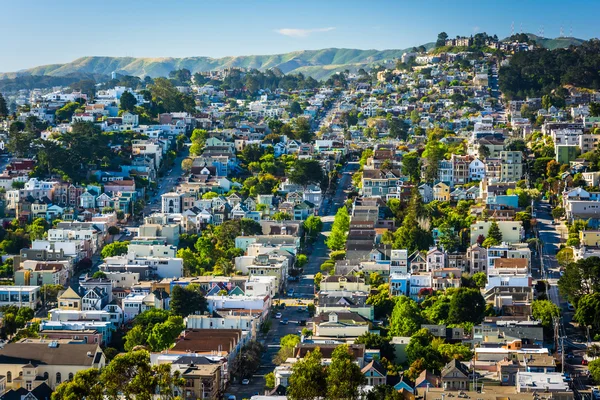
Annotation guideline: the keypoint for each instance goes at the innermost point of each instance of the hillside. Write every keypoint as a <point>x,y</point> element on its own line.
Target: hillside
<point>316,63</point>
<point>556,43</point>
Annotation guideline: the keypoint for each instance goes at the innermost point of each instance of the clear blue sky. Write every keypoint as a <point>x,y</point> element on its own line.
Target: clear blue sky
<point>38,32</point>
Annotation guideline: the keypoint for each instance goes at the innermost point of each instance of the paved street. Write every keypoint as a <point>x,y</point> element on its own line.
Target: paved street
<point>167,182</point>
<point>304,291</point>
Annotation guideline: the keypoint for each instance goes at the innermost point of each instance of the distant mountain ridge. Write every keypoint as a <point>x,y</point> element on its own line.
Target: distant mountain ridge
<point>319,64</point>
<point>316,63</point>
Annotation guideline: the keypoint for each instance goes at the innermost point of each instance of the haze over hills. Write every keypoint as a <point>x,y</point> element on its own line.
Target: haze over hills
<point>316,63</point>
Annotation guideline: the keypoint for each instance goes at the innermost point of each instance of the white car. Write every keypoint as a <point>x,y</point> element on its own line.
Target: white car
<point>278,315</point>
<point>245,381</point>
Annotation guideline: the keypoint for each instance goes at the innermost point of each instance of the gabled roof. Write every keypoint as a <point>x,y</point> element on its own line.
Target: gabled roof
<point>376,366</point>
<point>455,365</point>
<point>69,294</point>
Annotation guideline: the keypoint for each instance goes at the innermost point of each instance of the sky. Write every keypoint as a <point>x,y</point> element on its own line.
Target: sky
<point>39,32</point>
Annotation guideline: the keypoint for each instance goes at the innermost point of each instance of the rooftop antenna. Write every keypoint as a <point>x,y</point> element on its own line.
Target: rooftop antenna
<point>571,31</point>
<point>562,31</point>
<point>512,28</point>
<point>542,32</point>
<point>521,28</point>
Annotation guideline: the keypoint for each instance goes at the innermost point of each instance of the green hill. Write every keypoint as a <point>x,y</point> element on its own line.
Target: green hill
<point>317,63</point>
<point>556,43</point>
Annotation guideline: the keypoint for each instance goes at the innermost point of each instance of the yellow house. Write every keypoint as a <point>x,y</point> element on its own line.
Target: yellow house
<point>69,300</point>
<point>338,282</point>
<point>441,192</point>
<point>589,238</point>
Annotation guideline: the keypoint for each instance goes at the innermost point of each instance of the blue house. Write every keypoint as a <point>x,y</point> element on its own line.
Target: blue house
<point>499,202</point>
<point>399,284</point>
<point>406,385</point>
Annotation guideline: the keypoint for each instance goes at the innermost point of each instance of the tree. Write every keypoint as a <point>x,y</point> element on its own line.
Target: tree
<point>594,109</point>
<point>382,301</point>
<point>187,300</point>
<point>594,367</point>
<point>99,275</point>
<point>545,311</point>
<point>579,279</point>
<point>3,107</point>
<point>301,260</point>
<point>305,172</point>
<point>84,385</point>
<point>480,279</point>
<point>288,343</point>
<point>456,351</point>
<point>313,225</point>
<point>37,229</point>
<point>384,392</point>
<point>50,292</point>
<point>308,379</point>
<point>466,305</point>
<point>339,230</point>
<point>295,108</point>
<point>411,166</point>
<point>128,102</point>
<point>441,39</point>
<point>186,164</point>
<point>281,216</point>
<point>136,336</point>
<point>375,341</point>
<point>114,249</point>
<point>66,112</point>
<point>588,311</point>
<point>270,381</point>
<point>494,232</point>
<point>565,256</point>
<point>129,375</point>
<point>113,230</point>
<point>164,334</point>
<point>406,317</point>
<point>344,377</point>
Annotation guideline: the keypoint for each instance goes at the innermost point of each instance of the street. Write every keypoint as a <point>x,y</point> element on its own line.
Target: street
<point>166,183</point>
<point>304,291</point>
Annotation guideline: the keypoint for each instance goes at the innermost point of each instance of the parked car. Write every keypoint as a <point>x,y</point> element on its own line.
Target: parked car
<point>284,321</point>
<point>278,315</point>
<point>245,381</point>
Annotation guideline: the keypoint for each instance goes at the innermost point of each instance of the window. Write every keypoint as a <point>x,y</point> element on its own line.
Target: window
<point>58,378</point>
<point>9,377</point>
<point>45,375</point>
<point>70,376</point>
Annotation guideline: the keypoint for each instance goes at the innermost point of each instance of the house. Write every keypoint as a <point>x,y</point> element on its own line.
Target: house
<point>374,373</point>
<point>340,324</point>
<point>348,282</point>
<point>441,192</point>
<point>512,231</point>
<point>54,361</point>
<point>455,376</point>
<point>20,296</point>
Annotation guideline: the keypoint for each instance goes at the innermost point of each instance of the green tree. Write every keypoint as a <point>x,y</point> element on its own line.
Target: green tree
<point>187,300</point>
<point>344,377</point>
<point>594,367</point>
<point>305,172</point>
<point>411,166</point>
<point>37,228</point>
<point>579,279</point>
<point>466,305</point>
<point>308,379</point>
<point>84,385</point>
<point>281,216</point>
<point>295,108</point>
<point>163,335</point>
<point>288,343</point>
<point>339,230</point>
<point>127,102</point>
<point>441,39</point>
<point>545,311</point>
<point>129,375</point>
<point>480,279</point>
<point>375,341</point>
<point>66,112</point>
<point>406,317</point>
<point>114,249</point>
<point>136,336</point>
<point>313,226</point>
<point>494,232</point>
<point>595,109</point>
<point>270,381</point>
<point>3,107</point>
<point>301,260</point>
